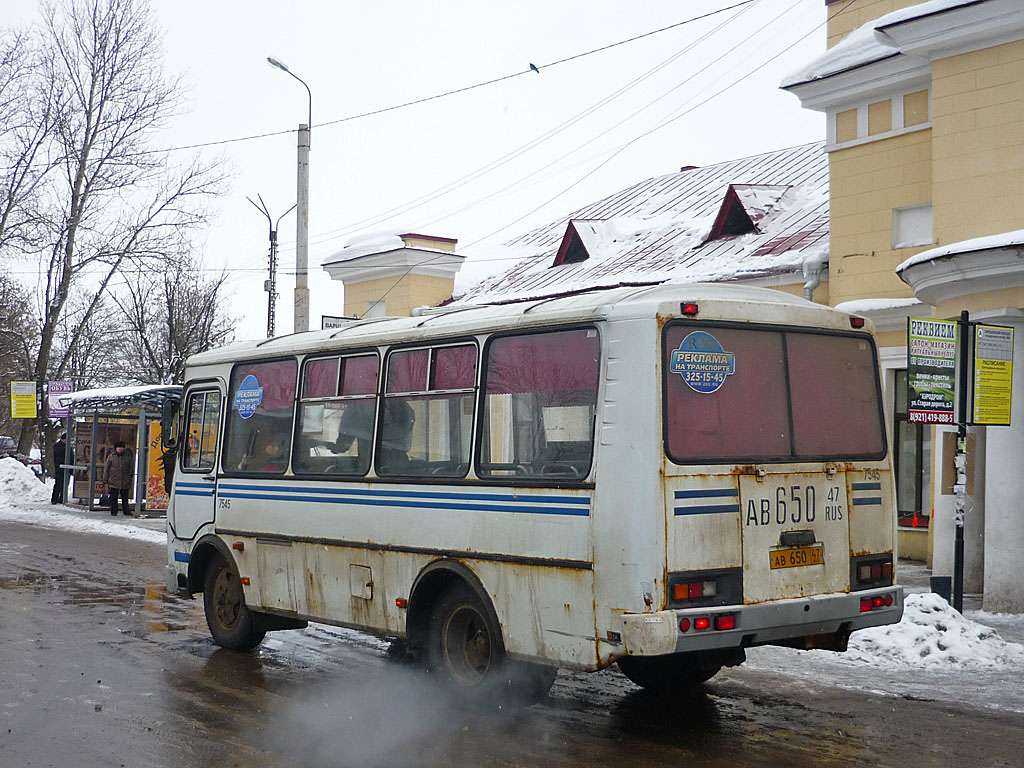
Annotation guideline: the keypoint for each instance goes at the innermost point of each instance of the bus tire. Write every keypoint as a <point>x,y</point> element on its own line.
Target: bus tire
<point>673,671</point>
<point>231,623</point>
<point>465,650</point>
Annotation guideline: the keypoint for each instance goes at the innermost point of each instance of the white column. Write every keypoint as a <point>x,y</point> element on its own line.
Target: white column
<point>1004,491</point>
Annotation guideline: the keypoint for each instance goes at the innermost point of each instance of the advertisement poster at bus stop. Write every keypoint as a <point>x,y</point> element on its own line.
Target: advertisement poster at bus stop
<point>156,495</point>
<point>23,399</point>
<point>931,371</point>
<point>993,374</point>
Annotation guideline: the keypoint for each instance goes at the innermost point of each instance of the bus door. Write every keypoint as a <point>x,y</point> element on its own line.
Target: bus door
<point>195,482</point>
<point>796,533</point>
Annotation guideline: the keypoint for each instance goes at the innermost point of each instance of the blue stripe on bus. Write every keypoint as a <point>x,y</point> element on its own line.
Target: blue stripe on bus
<point>204,494</point>
<point>404,494</point>
<point>385,502</point>
<point>181,557</point>
<point>707,494</point>
<point>707,509</point>
<point>183,484</point>
<point>867,501</point>
<point>866,486</point>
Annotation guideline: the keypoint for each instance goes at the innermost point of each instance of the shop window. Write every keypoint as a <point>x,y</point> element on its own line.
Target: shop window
<point>539,401</point>
<point>426,422</point>
<point>336,415</point>
<point>912,462</point>
<point>259,424</point>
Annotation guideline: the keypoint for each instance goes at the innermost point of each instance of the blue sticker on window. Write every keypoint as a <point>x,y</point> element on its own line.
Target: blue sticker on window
<point>702,362</point>
<point>248,396</point>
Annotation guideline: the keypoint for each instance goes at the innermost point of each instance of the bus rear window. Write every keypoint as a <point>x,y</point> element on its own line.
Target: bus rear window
<point>735,394</point>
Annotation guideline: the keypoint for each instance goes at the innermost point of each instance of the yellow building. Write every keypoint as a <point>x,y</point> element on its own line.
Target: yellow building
<point>924,103</point>
<point>392,274</point>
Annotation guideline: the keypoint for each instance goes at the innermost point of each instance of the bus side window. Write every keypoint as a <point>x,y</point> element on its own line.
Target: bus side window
<point>259,422</point>
<point>427,414</point>
<point>540,395</point>
<point>336,413</point>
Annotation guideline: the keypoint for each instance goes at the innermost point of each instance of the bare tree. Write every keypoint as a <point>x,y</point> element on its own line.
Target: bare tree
<point>105,202</point>
<point>168,317</point>
<point>18,339</point>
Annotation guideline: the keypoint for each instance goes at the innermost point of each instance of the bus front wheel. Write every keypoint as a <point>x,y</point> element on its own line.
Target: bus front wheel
<point>231,623</point>
<point>465,648</point>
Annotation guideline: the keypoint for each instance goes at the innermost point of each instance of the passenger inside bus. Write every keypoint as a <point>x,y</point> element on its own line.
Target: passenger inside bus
<point>395,436</point>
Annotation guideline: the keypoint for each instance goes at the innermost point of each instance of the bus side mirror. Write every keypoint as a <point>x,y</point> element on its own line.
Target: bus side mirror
<point>168,417</point>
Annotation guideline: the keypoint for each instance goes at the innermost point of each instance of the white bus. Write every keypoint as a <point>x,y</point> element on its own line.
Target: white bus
<point>656,476</point>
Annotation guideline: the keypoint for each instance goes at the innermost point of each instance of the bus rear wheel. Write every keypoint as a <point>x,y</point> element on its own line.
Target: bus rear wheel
<point>676,670</point>
<point>231,623</point>
<point>465,648</point>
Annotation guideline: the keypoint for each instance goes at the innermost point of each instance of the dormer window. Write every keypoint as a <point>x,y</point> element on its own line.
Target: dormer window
<point>574,247</point>
<point>743,206</point>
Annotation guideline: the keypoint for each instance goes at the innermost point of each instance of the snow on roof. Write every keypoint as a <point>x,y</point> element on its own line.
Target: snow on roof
<point>657,230</point>
<point>863,45</point>
<point>860,306</point>
<point>382,241</point>
<point>120,397</point>
<point>1012,239</point>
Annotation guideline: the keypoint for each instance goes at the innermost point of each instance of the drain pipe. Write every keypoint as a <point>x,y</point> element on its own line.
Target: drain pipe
<point>812,273</point>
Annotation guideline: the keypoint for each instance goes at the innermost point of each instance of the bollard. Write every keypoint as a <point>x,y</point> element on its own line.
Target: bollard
<point>942,586</point>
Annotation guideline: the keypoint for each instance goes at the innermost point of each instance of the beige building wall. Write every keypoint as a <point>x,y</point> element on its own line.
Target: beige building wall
<point>401,295</point>
<point>978,142</point>
<point>797,289</point>
<point>867,182</point>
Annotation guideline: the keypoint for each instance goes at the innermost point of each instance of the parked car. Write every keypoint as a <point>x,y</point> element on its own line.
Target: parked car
<point>8,446</point>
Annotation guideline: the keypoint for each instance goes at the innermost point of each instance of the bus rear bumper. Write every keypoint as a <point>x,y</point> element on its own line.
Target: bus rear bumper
<point>782,622</point>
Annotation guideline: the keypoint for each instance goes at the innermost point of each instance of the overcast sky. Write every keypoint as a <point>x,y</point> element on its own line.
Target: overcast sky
<point>373,173</point>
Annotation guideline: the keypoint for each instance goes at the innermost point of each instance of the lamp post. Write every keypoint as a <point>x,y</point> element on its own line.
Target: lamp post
<point>302,212</point>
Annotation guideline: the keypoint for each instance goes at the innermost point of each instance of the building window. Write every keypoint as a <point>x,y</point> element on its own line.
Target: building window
<point>880,117</point>
<point>912,226</point>
<point>913,462</point>
<point>915,108</point>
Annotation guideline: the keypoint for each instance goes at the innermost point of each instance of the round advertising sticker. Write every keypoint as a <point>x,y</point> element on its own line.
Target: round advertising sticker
<point>248,396</point>
<point>702,362</point>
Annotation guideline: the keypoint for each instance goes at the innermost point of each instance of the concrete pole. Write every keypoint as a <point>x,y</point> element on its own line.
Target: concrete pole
<point>302,233</point>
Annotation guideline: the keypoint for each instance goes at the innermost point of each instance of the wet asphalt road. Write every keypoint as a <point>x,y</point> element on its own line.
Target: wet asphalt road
<point>99,667</point>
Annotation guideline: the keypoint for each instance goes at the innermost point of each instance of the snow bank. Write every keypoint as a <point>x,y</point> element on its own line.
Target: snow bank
<point>17,482</point>
<point>26,500</point>
<point>933,636</point>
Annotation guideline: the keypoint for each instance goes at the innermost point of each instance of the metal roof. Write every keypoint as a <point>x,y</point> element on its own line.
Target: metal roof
<point>113,399</point>
<point>658,230</point>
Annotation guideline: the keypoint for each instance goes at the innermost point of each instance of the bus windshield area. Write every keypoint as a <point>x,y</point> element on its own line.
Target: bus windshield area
<point>763,395</point>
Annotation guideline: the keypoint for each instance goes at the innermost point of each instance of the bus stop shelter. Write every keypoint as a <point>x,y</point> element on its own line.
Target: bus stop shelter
<point>95,409</point>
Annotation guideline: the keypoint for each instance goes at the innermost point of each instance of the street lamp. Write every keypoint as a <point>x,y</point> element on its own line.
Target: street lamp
<point>302,213</point>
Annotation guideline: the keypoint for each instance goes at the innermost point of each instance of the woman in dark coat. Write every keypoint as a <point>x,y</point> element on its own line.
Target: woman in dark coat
<point>118,473</point>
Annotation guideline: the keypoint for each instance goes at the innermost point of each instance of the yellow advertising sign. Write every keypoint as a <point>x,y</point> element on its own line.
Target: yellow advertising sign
<point>156,496</point>
<point>23,399</point>
<point>993,374</point>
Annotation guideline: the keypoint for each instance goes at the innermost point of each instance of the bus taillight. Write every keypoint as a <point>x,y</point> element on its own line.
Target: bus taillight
<point>725,621</point>
<point>694,589</point>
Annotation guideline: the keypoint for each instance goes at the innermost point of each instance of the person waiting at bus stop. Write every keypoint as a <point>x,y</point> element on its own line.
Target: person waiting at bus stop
<point>60,457</point>
<point>118,473</point>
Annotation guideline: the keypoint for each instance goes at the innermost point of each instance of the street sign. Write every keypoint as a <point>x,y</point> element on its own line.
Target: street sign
<point>54,391</point>
<point>931,370</point>
<point>993,374</point>
<point>23,399</point>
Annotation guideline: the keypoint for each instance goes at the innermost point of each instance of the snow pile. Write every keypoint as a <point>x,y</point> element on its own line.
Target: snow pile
<point>17,482</point>
<point>933,636</point>
<point>26,500</point>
